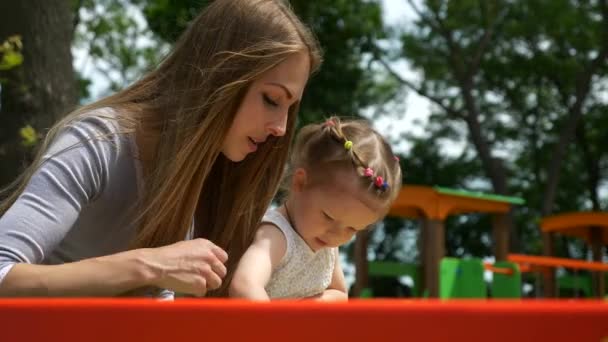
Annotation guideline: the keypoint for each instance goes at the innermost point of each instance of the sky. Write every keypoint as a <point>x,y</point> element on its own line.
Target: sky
<point>399,13</point>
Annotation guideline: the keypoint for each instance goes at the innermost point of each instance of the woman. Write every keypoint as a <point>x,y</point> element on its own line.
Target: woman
<point>189,152</point>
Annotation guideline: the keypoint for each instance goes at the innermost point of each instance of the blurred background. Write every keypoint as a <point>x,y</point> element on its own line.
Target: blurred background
<point>504,96</point>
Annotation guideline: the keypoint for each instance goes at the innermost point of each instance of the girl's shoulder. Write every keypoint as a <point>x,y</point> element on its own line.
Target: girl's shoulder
<point>274,220</point>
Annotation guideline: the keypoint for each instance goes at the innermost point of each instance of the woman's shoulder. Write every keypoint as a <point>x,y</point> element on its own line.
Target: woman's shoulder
<point>99,131</point>
<point>106,121</point>
<point>96,146</point>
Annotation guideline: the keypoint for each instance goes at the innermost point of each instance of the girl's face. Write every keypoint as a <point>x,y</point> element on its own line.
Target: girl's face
<point>265,107</point>
<point>329,216</point>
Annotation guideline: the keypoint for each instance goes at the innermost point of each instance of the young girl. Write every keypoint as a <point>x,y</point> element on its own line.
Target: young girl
<point>190,149</point>
<point>343,178</point>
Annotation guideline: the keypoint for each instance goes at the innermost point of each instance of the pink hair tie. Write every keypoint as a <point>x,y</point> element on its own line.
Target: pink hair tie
<point>329,123</point>
<point>368,172</point>
<point>396,158</point>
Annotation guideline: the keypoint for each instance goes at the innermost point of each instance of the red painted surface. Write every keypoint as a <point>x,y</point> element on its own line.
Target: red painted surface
<point>364,320</point>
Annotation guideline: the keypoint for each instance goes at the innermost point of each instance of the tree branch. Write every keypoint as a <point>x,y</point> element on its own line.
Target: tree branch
<point>438,101</point>
<point>591,164</point>
<point>425,19</point>
<point>583,86</point>
<point>437,24</point>
<point>483,44</point>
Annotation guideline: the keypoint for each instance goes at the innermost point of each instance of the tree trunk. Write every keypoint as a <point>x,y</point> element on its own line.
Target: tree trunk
<point>592,165</point>
<point>567,134</point>
<point>360,257</point>
<point>493,167</point>
<point>575,112</point>
<point>43,87</point>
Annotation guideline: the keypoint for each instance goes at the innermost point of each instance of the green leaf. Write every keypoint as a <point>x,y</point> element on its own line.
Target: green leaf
<point>10,59</point>
<point>28,135</point>
<point>10,55</point>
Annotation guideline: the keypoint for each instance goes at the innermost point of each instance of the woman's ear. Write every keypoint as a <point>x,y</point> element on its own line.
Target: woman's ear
<point>299,180</point>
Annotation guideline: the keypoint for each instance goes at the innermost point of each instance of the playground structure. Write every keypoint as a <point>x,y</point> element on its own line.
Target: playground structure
<point>547,265</point>
<point>592,227</point>
<point>432,205</point>
<point>437,274</point>
<point>464,278</point>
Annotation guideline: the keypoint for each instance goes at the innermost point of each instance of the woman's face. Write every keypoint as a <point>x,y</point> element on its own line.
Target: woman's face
<point>265,107</point>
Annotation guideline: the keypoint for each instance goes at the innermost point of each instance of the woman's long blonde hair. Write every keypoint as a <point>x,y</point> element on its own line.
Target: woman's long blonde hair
<point>188,103</point>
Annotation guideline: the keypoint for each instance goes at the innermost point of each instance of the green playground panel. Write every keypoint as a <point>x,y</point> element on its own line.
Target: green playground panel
<point>392,269</point>
<point>580,282</point>
<point>480,195</point>
<point>566,283</point>
<point>461,278</point>
<point>366,293</point>
<point>506,285</point>
<point>396,269</point>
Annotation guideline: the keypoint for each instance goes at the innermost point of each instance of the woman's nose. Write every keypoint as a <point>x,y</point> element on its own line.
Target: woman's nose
<point>278,127</point>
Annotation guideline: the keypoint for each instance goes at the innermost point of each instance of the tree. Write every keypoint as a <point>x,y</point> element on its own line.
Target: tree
<point>448,44</point>
<point>570,37</point>
<point>40,90</point>
<point>117,42</point>
<point>525,79</point>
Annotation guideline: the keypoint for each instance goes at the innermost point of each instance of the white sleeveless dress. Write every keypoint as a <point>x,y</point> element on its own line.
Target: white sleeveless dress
<point>302,272</point>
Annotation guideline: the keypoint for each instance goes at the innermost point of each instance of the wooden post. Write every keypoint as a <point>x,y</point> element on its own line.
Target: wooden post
<point>596,252</point>
<point>434,250</point>
<point>422,257</point>
<point>549,288</point>
<point>500,234</point>
<point>361,274</point>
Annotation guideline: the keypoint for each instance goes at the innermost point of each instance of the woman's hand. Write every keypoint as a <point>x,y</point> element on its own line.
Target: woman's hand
<point>190,267</point>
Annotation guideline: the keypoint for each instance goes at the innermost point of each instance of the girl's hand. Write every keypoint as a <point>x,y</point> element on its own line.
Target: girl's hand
<point>190,267</point>
<point>330,295</point>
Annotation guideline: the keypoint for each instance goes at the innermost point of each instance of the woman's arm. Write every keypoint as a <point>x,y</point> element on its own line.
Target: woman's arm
<point>104,276</point>
<point>77,169</point>
<point>190,267</point>
<point>255,267</point>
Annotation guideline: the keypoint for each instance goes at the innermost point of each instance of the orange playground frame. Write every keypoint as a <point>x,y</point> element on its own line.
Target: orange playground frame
<point>529,263</point>
<point>116,320</point>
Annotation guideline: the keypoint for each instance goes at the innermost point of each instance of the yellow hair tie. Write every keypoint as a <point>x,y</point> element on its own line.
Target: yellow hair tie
<point>348,144</point>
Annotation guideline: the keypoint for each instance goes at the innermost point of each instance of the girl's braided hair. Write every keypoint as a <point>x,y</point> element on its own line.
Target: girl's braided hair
<point>322,149</point>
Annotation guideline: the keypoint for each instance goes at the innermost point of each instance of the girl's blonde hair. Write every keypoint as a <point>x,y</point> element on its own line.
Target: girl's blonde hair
<point>188,103</point>
<point>346,145</point>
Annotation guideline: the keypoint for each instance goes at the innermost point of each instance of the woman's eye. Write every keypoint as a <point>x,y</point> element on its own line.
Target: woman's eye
<point>269,101</point>
<point>327,217</point>
<point>351,229</point>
